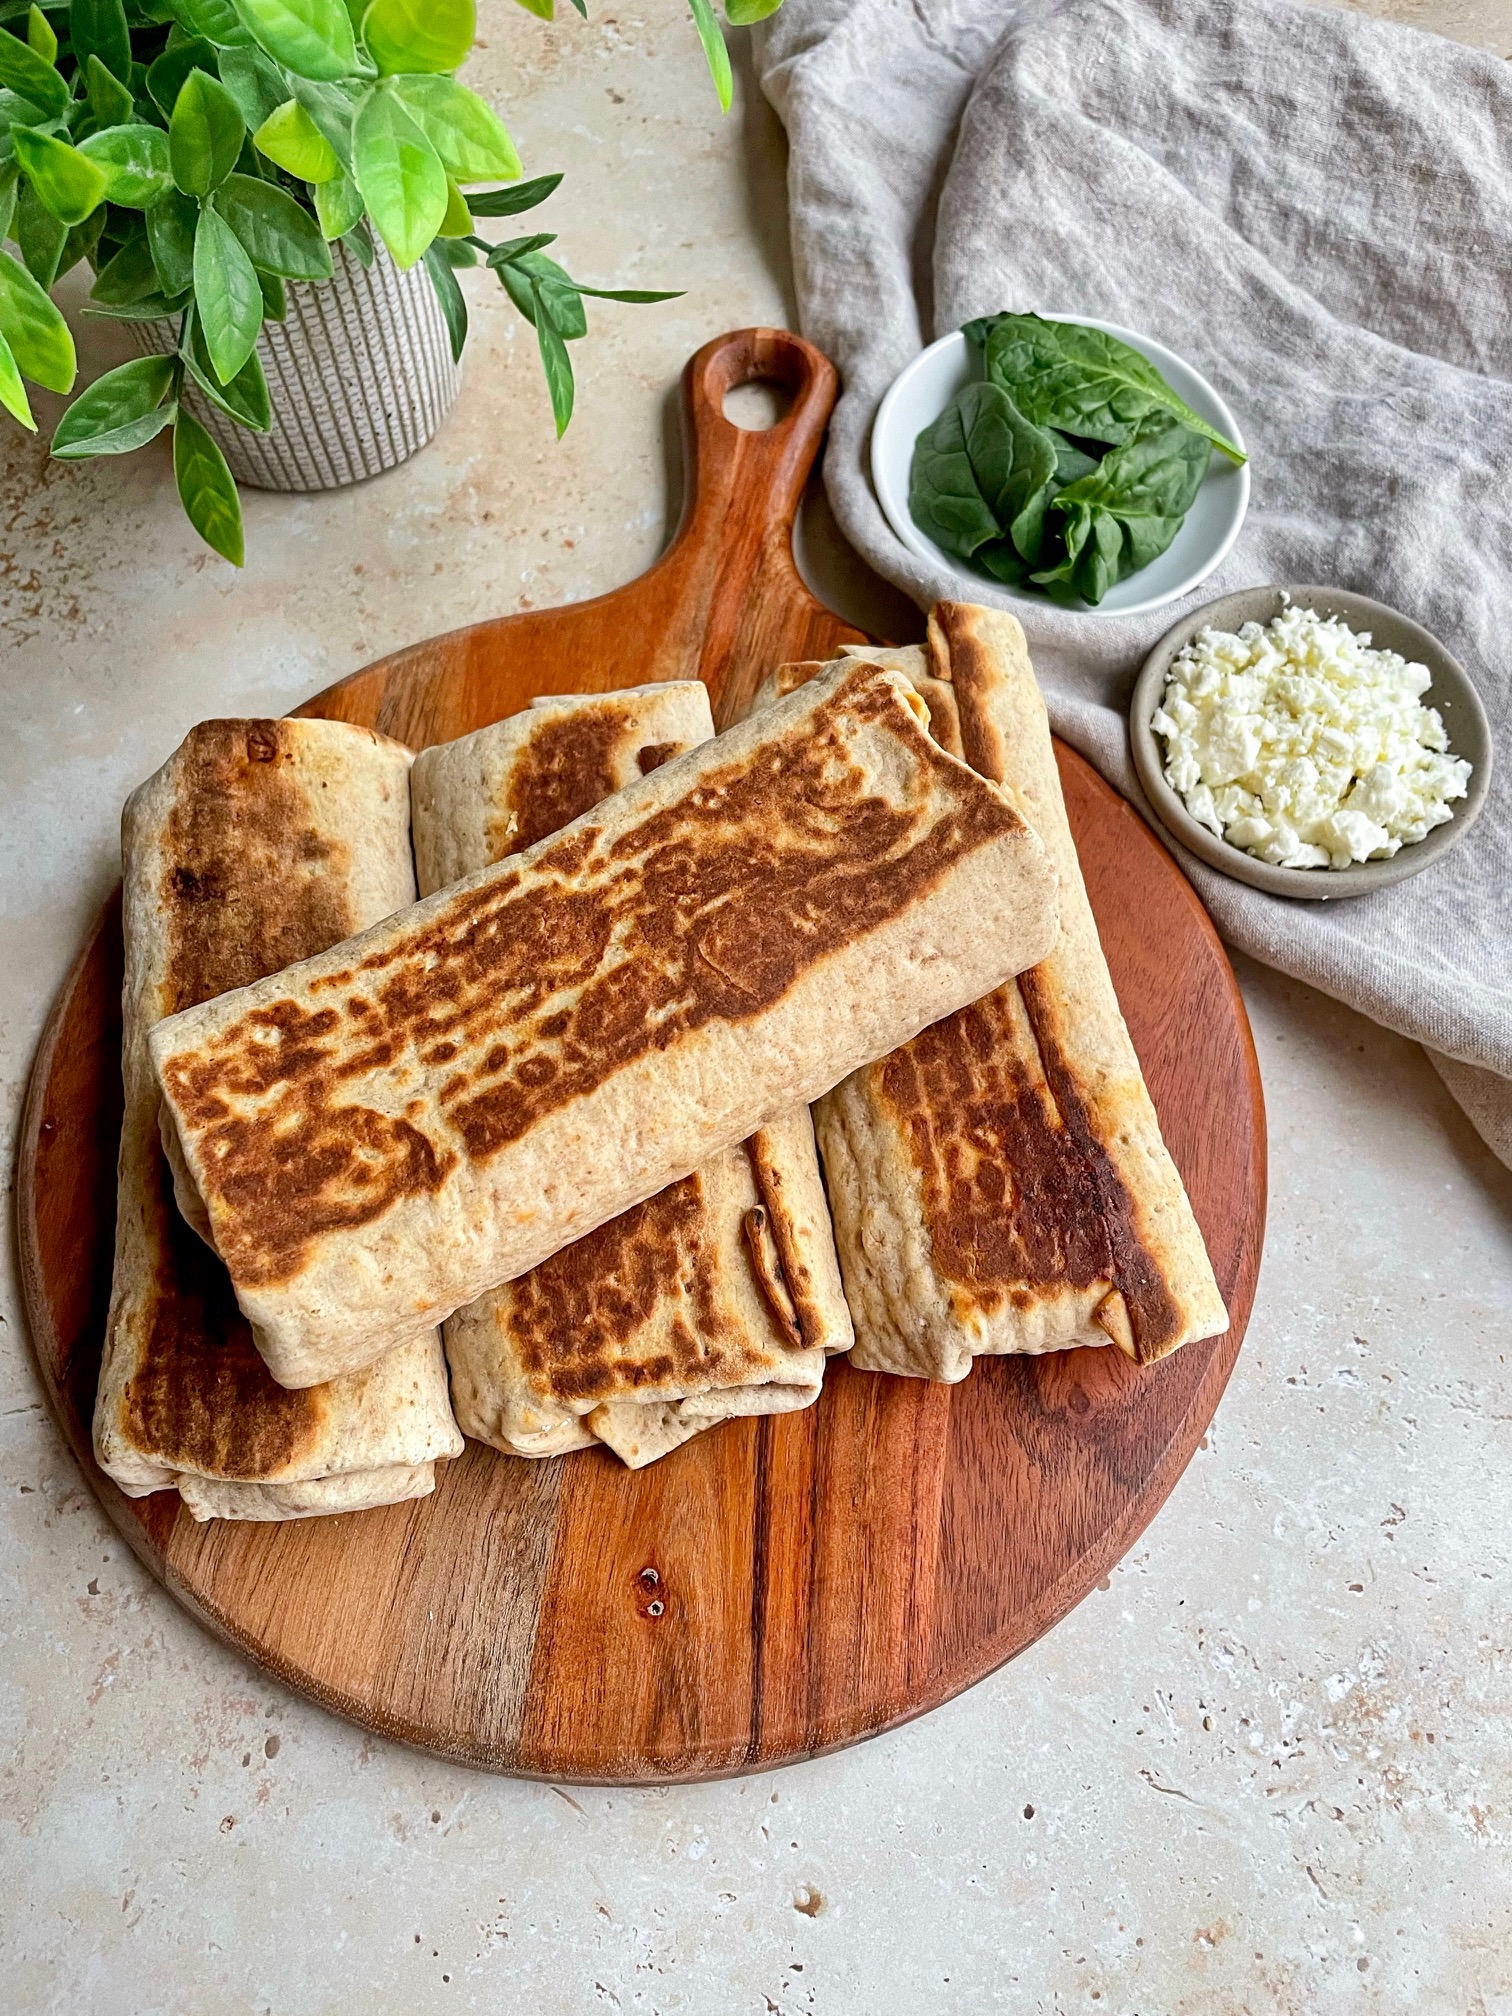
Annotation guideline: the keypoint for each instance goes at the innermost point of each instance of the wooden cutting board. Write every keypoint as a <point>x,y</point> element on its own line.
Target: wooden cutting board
<point>776,1587</point>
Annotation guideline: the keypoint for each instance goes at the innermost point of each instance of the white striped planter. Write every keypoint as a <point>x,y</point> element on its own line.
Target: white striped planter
<point>360,375</point>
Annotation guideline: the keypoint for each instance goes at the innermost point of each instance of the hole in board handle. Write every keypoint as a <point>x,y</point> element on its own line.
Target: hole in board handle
<point>758,405</point>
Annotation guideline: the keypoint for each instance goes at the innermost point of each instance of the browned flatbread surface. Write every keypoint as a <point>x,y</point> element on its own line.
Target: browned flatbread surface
<point>384,1131</point>
<point>497,791</point>
<point>258,843</point>
<point>719,1296</point>
<point>999,1184</point>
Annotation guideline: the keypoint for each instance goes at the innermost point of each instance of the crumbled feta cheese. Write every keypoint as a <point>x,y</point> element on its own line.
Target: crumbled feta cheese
<point>1304,746</point>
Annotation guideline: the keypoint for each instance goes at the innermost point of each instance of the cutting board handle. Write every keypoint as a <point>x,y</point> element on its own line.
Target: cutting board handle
<point>760,474</point>
<point>724,603</point>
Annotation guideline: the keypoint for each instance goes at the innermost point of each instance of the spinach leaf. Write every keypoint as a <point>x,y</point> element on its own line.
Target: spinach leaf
<point>1071,462</point>
<point>1003,561</point>
<point>1081,381</point>
<point>1128,510</point>
<point>982,474</point>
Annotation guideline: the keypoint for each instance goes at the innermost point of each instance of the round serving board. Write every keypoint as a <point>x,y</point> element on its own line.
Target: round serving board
<point>777,1587</point>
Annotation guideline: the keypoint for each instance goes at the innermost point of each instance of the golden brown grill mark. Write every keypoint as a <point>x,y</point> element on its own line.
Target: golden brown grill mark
<point>1154,1317</point>
<point>706,910</point>
<point>574,1319</point>
<point>654,755</point>
<point>201,1398</point>
<point>565,768</point>
<point>1007,1197</point>
<point>252,886</point>
<point>1021,1126</point>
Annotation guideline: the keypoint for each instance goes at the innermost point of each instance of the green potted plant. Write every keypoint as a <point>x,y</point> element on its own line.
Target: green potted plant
<point>267,189</point>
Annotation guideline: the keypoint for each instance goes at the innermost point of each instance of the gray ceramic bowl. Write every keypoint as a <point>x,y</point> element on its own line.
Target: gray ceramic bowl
<point>1451,693</point>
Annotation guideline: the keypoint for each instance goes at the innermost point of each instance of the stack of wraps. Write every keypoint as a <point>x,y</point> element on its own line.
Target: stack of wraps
<point>720,1295</point>
<point>386,1131</point>
<point>1000,1184</point>
<point>561,1102</point>
<point>257,844</point>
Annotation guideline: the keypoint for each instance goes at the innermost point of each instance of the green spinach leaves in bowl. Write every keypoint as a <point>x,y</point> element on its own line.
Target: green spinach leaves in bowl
<point>1068,466</point>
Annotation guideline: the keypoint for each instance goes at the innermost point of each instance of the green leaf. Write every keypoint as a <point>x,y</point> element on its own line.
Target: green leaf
<point>334,109</point>
<point>1081,381</point>
<point>206,489</point>
<point>205,134</point>
<point>338,205</point>
<point>457,222</point>
<point>67,182</point>
<point>256,84</point>
<point>743,13</point>
<point>9,178</point>
<point>715,53</point>
<point>359,242</point>
<point>419,35</point>
<point>170,233</point>
<point>216,21</point>
<point>468,135</point>
<point>134,162</point>
<point>290,137</point>
<point>82,240</point>
<point>12,392</point>
<point>530,271</point>
<point>516,248</point>
<point>980,473</point>
<point>279,234</point>
<point>40,236</point>
<point>450,298</point>
<point>542,9</point>
<point>636,294</point>
<point>167,75</point>
<point>227,297</point>
<point>118,412</point>
<point>98,28</point>
<point>1129,509</point>
<point>16,111</point>
<point>1002,559</point>
<point>110,103</point>
<point>1070,462</point>
<point>554,361</point>
<point>313,38</point>
<point>22,70</point>
<point>245,398</point>
<point>152,308</point>
<point>400,176</point>
<point>275,300</point>
<point>36,332</point>
<point>130,275</point>
<point>510,202</point>
<point>39,35</point>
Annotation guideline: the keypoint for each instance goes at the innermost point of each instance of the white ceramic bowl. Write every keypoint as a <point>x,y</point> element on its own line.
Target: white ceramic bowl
<point>920,394</point>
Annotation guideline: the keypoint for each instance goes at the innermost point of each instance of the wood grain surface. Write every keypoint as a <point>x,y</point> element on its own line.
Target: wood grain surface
<point>777,1587</point>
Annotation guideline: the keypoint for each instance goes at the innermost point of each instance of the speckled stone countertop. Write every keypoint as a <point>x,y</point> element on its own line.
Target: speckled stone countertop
<point>1267,1769</point>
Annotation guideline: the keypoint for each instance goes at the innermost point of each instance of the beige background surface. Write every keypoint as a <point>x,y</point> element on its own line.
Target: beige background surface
<point>1267,1769</point>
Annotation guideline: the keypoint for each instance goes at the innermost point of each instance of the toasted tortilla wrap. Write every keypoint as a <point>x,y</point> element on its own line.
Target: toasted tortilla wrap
<point>384,1131</point>
<point>1000,1183</point>
<point>719,1296</point>
<point>258,843</point>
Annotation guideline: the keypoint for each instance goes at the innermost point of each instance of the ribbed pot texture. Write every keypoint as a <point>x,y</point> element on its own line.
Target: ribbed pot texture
<point>360,375</point>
